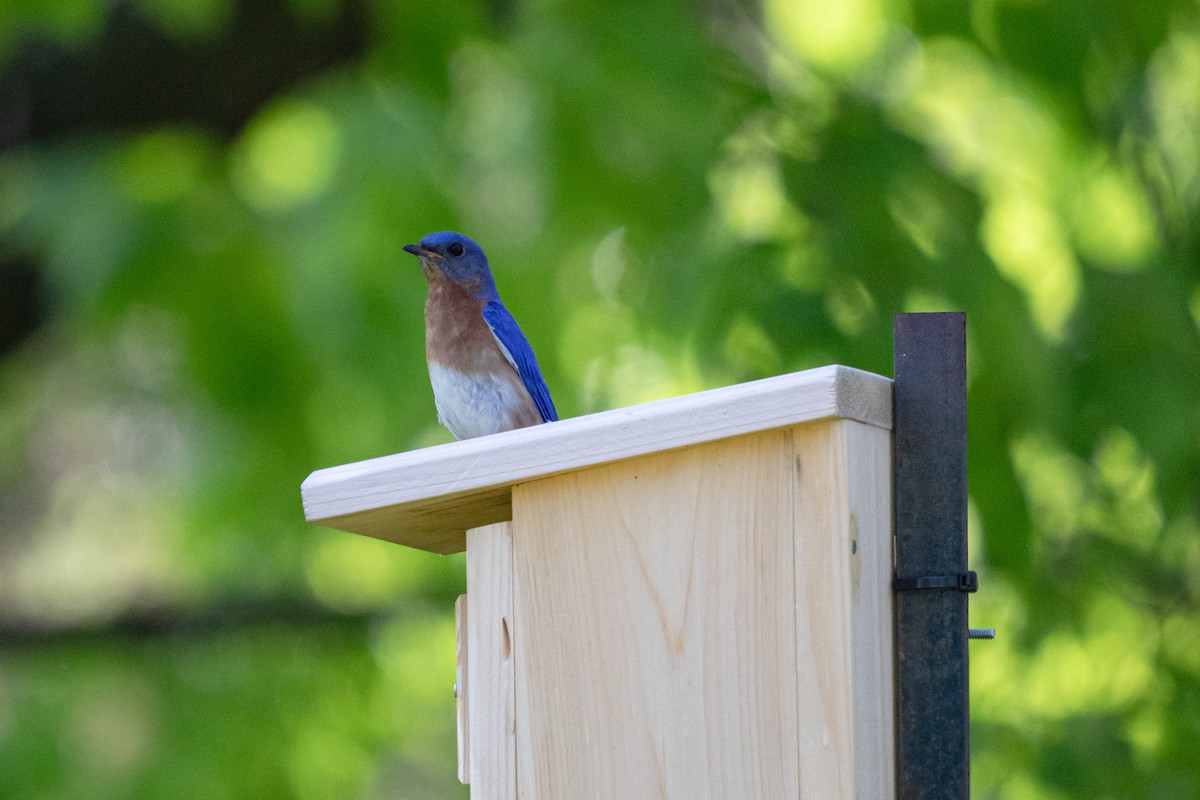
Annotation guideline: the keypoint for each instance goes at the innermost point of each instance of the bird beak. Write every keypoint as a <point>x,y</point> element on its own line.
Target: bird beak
<point>427,254</point>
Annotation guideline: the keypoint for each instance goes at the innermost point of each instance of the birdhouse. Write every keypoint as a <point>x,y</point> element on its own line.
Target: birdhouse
<point>684,599</point>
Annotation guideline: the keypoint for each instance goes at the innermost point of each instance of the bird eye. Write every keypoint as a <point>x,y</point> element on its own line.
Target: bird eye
<point>456,249</point>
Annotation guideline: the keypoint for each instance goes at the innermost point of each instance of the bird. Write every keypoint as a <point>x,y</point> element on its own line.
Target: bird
<point>484,374</point>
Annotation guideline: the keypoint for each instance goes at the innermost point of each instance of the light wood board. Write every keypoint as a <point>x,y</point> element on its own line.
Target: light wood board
<point>461,688</point>
<point>428,498</point>
<point>491,694</point>
<point>843,562</point>
<point>712,622</point>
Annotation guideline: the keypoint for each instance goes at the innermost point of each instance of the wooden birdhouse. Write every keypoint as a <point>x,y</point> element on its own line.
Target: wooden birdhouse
<point>684,599</point>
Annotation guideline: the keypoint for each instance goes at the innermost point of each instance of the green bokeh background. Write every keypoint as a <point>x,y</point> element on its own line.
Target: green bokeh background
<point>205,299</point>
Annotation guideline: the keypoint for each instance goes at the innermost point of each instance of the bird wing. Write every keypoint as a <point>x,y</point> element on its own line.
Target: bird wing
<point>516,349</point>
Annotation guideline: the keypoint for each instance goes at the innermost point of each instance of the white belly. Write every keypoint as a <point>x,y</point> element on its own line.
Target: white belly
<point>472,405</point>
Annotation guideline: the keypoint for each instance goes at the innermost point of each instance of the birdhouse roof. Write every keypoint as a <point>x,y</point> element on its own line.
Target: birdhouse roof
<point>428,498</point>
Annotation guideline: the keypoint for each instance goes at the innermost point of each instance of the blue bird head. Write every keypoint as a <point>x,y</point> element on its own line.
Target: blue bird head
<point>455,257</point>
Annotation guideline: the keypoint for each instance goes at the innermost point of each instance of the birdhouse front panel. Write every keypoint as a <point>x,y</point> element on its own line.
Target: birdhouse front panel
<point>708,622</point>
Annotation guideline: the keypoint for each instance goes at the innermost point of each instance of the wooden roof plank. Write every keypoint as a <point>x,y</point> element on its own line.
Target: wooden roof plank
<point>428,498</point>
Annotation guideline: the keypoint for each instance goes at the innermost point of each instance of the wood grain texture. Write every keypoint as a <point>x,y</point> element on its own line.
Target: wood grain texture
<point>654,603</point>
<point>869,457</point>
<point>711,622</point>
<point>428,498</point>
<point>491,700</point>
<point>461,687</point>
<point>843,611</point>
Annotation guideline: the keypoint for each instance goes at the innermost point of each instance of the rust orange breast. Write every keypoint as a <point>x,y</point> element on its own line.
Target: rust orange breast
<point>455,332</point>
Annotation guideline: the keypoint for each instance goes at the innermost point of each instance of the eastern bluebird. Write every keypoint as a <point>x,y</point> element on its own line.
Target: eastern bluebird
<point>484,374</point>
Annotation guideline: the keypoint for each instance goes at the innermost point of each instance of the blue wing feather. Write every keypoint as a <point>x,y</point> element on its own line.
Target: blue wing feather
<point>509,334</point>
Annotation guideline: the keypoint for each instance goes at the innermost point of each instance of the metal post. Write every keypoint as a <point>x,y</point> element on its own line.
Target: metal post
<point>932,580</point>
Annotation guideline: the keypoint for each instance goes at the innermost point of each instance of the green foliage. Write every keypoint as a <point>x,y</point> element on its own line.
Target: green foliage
<point>672,198</point>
